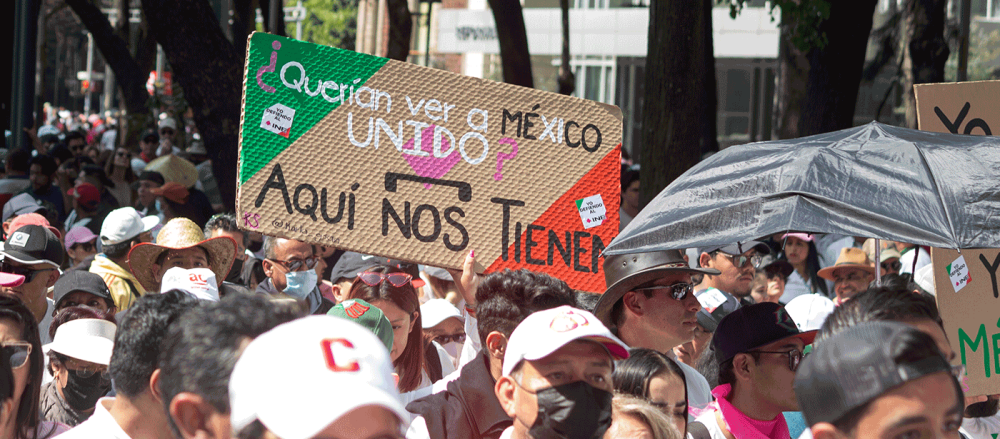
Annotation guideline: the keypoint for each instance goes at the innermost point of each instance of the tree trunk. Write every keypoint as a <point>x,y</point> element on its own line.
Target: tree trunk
<point>400,30</point>
<point>130,76</point>
<point>514,55</point>
<point>244,22</point>
<point>279,23</point>
<point>207,67</point>
<point>925,49</point>
<point>680,75</point>
<point>818,88</point>
<point>567,80</point>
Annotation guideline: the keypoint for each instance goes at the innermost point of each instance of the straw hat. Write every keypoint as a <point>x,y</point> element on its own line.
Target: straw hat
<point>174,168</point>
<point>179,234</point>
<point>850,257</point>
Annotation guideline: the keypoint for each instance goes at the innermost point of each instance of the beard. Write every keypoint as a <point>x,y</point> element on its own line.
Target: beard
<point>983,409</point>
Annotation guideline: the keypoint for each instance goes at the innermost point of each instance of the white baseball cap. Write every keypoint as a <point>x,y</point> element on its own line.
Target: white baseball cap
<point>84,339</point>
<point>544,332</point>
<point>435,311</point>
<point>338,366</point>
<point>123,224</point>
<point>198,282</point>
<point>809,311</point>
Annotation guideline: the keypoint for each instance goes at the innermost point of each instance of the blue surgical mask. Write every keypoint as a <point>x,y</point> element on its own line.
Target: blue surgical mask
<point>300,283</point>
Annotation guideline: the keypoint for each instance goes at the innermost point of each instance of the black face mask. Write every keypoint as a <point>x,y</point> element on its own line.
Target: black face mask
<point>82,393</point>
<point>235,271</point>
<point>572,411</point>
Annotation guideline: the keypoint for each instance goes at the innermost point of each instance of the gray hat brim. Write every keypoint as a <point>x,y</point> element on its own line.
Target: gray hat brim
<point>615,292</point>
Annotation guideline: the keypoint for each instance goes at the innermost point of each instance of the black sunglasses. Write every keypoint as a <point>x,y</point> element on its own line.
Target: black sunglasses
<point>295,265</point>
<point>444,339</point>
<point>28,273</point>
<point>894,265</point>
<point>678,290</point>
<point>86,246</point>
<point>794,357</point>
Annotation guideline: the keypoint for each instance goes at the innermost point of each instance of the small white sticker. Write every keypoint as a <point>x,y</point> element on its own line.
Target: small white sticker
<point>711,299</point>
<point>278,119</point>
<point>19,239</point>
<point>958,272</point>
<point>592,211</point>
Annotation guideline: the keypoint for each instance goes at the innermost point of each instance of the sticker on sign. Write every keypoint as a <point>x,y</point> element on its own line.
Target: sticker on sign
<point>958,271</point>
<point>592,211</point>
<point>278,119</point>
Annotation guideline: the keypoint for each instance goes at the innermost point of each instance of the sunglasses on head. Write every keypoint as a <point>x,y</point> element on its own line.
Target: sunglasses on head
<point>372,278</point>
<point>18,352</point>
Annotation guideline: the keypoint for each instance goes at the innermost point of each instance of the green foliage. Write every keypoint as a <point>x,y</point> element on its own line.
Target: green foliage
<point>802,18</point>
<point>331,23</point>
<point>984,55</point>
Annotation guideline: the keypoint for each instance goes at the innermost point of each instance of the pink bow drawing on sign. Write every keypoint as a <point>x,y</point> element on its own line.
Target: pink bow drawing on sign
<point>268,68</point>
<point>430,166</point>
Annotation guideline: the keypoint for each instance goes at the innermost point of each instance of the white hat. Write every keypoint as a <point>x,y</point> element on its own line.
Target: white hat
<point>198,282</point>
<point>123,224</point>
<point>85,339</point>
<point>435,311</point>
<point>168,122</point>
<point>809,311</point>
<point>924,277</point>
<point>544,332</point>
<point>338,366</point>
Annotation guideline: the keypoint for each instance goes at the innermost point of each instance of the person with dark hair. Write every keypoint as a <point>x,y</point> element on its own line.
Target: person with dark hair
<point>289,266</point>
<point>715,304</point>
<point>76,142</point>
<point>95,175</point>
<point>136,410</point>
<point>119,171</point>
<point>181,244</point>
<point>82,288</point>
<point>16,166</point>
<point>467,406</point>
<point>630,197</point>
<point>650,301</point>
<point>197,358</point>
<point>122,229</point>
<point>758,349</point>
<point>909,390</point>
<point>800,251</point>
<point>177,201</point>
<point>737,264</point>
<point>78,360</point>
<point>919,311</point>
<point>851,275</point>
<point>246,270</point>
<point>20,340</point>
<point>29,265</point>
<point>42,174</point>
<point>656,378</point>
<point>145,201</point>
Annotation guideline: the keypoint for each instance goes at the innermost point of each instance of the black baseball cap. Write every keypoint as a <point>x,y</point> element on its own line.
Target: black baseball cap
<point>751,327</point>
<point>150,133</point>
<point>153,176</point>
<point>855,366</point>
<point>80,280</point>
<point>738,248</point>
<point>773,266</point>
<point>98,171</point>
<point>351,264</point>
<point>33,244</point>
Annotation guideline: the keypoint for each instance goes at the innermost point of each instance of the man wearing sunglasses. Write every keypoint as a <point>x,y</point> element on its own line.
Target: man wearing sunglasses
<point>651,304</point>
<point>758,349</point>
<point>737,264</point>
<point>289,266</point>
<point>32,252</point>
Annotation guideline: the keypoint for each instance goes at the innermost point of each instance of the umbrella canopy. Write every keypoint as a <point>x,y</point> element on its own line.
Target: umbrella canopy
<point>876,180</point>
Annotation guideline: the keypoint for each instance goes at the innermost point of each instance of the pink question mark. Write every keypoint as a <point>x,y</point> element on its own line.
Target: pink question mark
<point>268,68</point>
<point>501,156</point>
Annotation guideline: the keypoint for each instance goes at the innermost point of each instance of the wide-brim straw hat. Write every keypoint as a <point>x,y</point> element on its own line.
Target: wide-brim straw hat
<point>180,234</point>
<point>850,257</point>
<point>175,169</point>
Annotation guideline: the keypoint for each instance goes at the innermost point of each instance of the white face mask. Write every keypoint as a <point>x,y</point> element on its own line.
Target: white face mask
<point>454,350</point>
<point>300,283</point>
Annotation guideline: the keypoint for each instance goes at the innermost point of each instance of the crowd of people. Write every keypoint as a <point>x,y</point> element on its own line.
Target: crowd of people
<point>131,307</point>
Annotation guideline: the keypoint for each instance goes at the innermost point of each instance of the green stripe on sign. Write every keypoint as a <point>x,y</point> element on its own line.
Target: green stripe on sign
<point>317,79</point>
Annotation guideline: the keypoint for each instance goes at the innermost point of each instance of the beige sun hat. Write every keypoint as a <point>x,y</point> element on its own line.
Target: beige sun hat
<point>179,234</point>
<point>175,169</point>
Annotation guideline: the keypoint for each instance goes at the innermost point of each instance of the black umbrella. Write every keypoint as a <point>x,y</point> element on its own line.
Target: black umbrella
<point>941,190</point>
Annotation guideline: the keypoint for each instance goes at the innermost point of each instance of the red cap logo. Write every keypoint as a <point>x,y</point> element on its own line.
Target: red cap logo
<point>355,310</point>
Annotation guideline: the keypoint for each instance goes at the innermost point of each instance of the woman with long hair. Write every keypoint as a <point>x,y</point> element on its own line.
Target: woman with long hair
<point>654,377</point>
<point>800,251</point>
<point>391,291</point>
<point>119,170</point>
<point>20,340</point>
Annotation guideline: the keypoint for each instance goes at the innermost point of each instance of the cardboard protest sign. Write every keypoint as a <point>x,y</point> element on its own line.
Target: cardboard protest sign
<point>966,287</point>
<point>959,107</point>
<point>393,159</point>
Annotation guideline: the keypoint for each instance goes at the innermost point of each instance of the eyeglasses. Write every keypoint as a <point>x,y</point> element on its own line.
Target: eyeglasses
<point>28,273</point>
<point>19,353</point>
<point>741,261</point>
<point>86,246</point>
<point>893,266</point>
<point>87,373</point>
<point>166,132</point>
<point>372,278</point>
<point>678,290</point>
<point>122,154</point>
<point>794,357</point>
<point>444,339</point>
<point>296,264</point>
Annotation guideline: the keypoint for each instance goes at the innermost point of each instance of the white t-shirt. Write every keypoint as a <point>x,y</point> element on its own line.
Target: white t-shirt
<point>906,261</point>
<point>795,286</point>
<point>699,393</point>
<point>100,425</point>
<point>980,428</point>
<point>711,424</point>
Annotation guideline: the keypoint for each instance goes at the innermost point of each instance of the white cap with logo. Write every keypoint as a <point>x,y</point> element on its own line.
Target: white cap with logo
<point>198,282</point>
<point>544,332</point>
<point>338,366</point>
